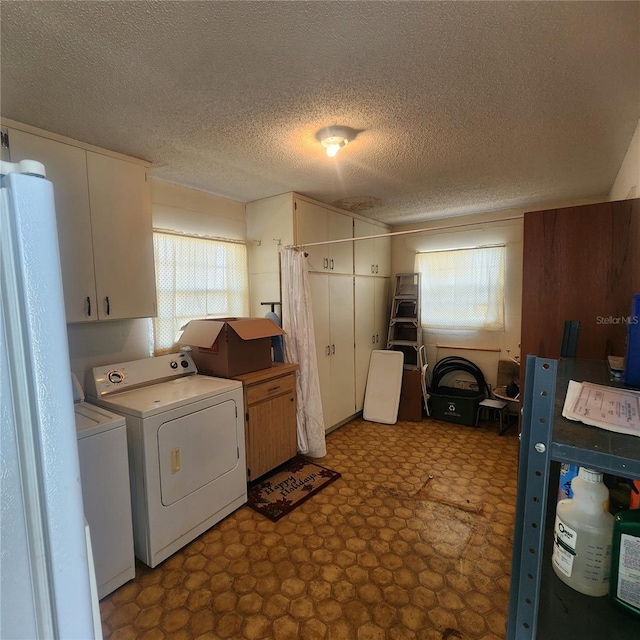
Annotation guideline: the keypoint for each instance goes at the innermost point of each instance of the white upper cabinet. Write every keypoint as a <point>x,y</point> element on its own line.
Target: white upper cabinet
<point>315,223</point>
<point>105,237</point>
<point>66,168</point>
<point>371,257</point>
<point>122,238</point>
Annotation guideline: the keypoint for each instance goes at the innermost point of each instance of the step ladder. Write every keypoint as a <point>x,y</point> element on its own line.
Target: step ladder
<point>405,333</point>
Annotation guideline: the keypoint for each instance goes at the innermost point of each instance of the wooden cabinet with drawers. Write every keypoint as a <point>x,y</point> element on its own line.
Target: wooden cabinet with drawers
<point>270,417</point>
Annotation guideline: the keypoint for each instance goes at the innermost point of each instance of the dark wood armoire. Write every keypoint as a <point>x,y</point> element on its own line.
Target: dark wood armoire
<point>580,263</point>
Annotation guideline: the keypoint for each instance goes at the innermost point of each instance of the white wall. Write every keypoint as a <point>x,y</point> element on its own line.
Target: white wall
<point>627,182</point>
<point>173,207</point>
<point>178,208</point>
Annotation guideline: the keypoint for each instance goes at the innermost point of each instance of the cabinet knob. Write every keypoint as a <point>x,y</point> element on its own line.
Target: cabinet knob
<point>333,349</point>
<point>88,306</point>
<point>331,264</point>
<point>107,305</point>
<point>328,350</point>
<point>326,263</point>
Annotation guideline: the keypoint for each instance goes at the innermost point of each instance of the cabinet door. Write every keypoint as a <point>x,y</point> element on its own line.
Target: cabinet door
<point>365,337</point>
<point>381,311</point>
<point>312,225</point>
<point>382,253</point>
<point>371,257</point>
<point>66,168</point>
<point>271,434</point>
<point>364,250</point>
<point>340,254</point>
<point>343,403</point>
<point>120,201</point>
<point>319,284</point>
<point>332,300</point>
<point>315,223</point>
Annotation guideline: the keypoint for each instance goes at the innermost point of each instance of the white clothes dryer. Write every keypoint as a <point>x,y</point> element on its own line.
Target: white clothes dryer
<point>186,448</point>
<point>104,475</point>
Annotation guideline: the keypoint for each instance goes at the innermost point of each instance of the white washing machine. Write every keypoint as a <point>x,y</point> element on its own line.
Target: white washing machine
<point>186,447</point>
<point>104,474</point>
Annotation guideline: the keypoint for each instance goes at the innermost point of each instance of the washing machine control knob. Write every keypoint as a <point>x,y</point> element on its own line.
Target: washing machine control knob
<point>184,363</point>
<point>173,364</point>
<point>115,377</point>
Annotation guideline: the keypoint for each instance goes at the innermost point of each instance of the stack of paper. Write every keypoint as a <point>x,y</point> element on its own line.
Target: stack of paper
<point>605,407</point>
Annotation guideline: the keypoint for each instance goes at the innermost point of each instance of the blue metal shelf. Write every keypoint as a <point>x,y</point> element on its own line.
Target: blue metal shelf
<point>540,605</point>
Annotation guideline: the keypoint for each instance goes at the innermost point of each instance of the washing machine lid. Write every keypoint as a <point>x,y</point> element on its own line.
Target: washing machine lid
<point>145,402</point>
<point>91,420</point>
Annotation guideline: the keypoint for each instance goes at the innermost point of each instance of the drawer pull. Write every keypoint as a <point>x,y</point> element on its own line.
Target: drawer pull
<point>273,388</point>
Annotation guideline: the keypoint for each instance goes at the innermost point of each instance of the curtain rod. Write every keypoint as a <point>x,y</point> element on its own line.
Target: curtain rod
<point>197,236</point>
<point>402,233</point>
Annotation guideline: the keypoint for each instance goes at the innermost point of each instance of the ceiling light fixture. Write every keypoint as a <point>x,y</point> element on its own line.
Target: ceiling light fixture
<point>335,137</point>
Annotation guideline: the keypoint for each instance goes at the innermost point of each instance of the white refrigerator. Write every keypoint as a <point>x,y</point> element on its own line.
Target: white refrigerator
<point>46,585</point>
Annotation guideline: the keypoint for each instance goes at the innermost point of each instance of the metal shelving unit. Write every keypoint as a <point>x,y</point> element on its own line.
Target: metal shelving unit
<point>540,605</point>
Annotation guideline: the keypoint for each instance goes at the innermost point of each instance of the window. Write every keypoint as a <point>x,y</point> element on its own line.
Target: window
<point>196,278</point>
<point>462,288</point>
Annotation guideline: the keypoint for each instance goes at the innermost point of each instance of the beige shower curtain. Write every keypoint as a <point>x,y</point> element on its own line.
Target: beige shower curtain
<point>300,348</point>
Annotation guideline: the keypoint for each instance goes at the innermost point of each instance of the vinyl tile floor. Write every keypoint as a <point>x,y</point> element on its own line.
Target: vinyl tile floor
<point>413,541</point>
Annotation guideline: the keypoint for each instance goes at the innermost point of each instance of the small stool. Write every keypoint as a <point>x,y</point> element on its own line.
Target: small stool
<point>495,406</point>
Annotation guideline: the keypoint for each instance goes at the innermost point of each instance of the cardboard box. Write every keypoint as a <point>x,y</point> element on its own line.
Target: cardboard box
<point>227,347</point>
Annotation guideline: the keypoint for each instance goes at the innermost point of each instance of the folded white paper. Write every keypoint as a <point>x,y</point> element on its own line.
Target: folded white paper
<point>605,407</point>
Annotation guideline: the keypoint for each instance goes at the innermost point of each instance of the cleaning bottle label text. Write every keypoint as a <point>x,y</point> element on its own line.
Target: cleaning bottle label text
<point>564,547</point>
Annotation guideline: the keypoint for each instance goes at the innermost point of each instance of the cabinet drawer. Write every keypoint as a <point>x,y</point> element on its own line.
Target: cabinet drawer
<point>271,388</point>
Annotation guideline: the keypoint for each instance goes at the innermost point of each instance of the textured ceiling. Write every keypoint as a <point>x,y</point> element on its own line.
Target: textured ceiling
<point>463,106</point>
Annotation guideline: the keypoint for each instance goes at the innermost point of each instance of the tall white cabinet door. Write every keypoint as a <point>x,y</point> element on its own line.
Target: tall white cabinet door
<point>332,300</point>
<point>381,311</point>
<point>342,351</point>
<point>66,168</point>
<point>364,334</point>
<point>122,238</point>
<point>319,284</point>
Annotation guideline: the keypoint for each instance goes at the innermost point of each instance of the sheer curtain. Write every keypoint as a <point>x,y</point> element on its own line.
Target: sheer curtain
<point>300,347</point>
<point>462,288</point>
<point>196,278</point>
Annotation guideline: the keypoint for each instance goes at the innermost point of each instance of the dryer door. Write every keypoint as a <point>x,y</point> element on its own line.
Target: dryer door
<point>196,449</point>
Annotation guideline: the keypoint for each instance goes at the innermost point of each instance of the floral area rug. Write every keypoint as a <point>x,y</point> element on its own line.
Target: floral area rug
<point>288,487</point>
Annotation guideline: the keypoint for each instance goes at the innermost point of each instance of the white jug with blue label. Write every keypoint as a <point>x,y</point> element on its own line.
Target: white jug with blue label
<point>582,536</point>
